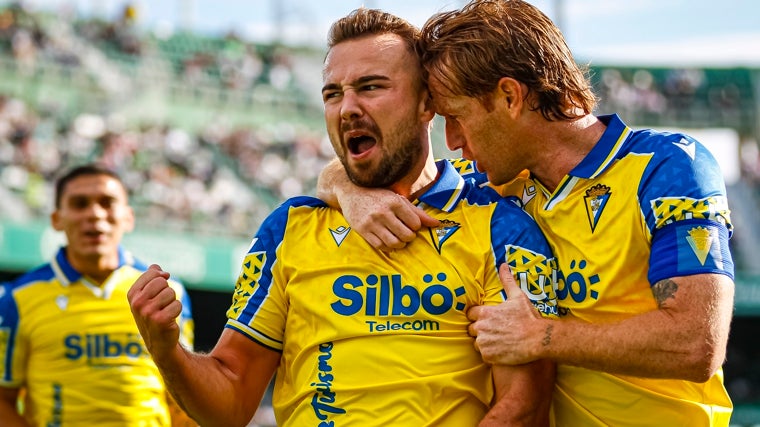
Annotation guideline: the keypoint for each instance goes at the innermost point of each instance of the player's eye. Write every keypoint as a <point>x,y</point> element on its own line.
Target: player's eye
<point>330,95</point>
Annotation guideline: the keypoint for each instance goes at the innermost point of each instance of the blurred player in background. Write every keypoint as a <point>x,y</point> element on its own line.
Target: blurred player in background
<point>638,221</point>
<point>67,337</point>
<point>360,337</point>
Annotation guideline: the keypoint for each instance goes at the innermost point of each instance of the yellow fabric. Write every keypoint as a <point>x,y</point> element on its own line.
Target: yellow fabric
<point>600,222</point>
<point>77,350</point>
<point>371,338</point>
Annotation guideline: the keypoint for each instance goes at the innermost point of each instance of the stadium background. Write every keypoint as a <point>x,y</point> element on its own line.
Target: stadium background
<point>212,131</point>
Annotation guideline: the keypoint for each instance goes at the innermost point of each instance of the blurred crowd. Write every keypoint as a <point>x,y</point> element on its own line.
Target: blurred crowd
<point>213,178</point>
<point>217,179</point>
<point>687,97</point>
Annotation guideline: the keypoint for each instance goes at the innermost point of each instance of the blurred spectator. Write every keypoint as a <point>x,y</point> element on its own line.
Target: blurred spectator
<point>219,181</point>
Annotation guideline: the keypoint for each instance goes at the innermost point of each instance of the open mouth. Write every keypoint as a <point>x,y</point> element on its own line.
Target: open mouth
<point>360,144</point>
<point>94,234</point>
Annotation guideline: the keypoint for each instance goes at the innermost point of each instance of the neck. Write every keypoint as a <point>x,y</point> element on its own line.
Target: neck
<point>97,268</point>
<point>416,184</point>
<point>566,144</point>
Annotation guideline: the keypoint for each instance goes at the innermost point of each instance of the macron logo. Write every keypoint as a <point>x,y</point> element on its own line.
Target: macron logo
<point>528,193</point>
<point>339,234</point>
<point>687,146</point>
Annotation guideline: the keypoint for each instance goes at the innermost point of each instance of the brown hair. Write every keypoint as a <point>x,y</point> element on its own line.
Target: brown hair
<point>363,22</point>
<point>470,49</point>
<point>83,170</point>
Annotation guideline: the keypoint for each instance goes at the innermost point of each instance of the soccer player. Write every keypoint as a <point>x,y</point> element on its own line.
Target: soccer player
<point>637,219</point>
<point>357,336</point>
<point>67,337</point>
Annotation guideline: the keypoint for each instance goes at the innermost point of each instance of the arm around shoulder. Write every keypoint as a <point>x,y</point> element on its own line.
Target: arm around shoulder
<point>386,220</point>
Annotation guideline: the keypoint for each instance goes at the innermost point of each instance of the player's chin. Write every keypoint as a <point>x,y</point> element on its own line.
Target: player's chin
<point>366,176</point>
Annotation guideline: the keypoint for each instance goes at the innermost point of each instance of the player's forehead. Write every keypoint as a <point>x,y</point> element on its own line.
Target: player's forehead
<point>444,101</point>
<point>92,186</point>
<point>376,54</point>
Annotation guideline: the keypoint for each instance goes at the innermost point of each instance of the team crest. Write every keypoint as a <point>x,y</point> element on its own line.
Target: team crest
<point>700,241</point>
<point>596,199</point>
<point>439,235</point>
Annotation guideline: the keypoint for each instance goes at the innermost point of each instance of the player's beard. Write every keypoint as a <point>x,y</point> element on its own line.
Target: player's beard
<point>396,161</point>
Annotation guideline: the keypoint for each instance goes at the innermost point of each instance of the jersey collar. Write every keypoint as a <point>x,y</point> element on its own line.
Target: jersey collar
<point>67,274</point>
<point>606,150</point>
<point>447,190</point>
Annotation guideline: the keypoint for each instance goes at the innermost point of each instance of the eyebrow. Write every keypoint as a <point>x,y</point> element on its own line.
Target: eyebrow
<point>357,82</point>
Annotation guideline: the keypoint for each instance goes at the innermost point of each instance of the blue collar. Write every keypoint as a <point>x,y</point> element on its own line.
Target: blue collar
<point>66,273</point>
<point>447,190</point>
<point>606,150</point>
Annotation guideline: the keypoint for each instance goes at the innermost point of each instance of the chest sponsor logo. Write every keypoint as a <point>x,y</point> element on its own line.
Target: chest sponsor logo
<point>596,199</point>
<point>576,285</point>
<point>389,300</point>
<point>105,349</point>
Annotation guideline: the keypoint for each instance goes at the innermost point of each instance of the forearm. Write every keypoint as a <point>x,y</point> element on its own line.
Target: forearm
<point>638,346</point>
<point>523,395</point>
<point>685,340</point>
<point>202,386</point>
<point>331,180</point>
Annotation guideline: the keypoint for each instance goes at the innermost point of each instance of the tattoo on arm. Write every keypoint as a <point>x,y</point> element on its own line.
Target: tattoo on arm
<point>663,290</point>
<point>548,336</point>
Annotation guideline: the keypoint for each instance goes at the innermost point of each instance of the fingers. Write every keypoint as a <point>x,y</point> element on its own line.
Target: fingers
<point>398,226</point>
<point>151,273</point>
<point>509,282</point>
<point>473,314</point>
<point>388,242</point>
<point>152,294</point>
<point>427,220</point>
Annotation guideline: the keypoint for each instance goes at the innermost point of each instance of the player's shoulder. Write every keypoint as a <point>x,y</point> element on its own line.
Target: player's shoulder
<point>679,164</point>
<point>668,146</point>
<point>302,201</point>
<point>286,208</point>
<point>39,276</point>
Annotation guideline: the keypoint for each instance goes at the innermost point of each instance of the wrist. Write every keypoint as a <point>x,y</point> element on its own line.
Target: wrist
<point>547,332</point>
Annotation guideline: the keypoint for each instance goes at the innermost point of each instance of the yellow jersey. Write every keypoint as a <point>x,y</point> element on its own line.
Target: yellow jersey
<point>75,348</point>
<point>642,206</point>
<point>373,338</point>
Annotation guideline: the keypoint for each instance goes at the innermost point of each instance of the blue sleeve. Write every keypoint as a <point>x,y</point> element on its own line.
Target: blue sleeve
<point>683,199</point>
<point>9,318</point>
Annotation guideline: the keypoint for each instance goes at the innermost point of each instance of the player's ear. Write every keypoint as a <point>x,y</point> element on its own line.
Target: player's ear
<point>55,221</point>
<point>129,219</point>
<point>427,111</point>
<point>510,92</point>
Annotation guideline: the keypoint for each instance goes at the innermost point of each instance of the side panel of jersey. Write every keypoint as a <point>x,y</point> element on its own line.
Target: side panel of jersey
<point>369,337</point>
<point>79,354</point>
